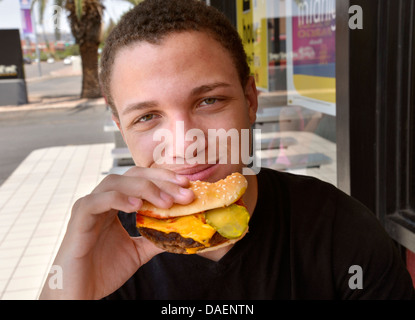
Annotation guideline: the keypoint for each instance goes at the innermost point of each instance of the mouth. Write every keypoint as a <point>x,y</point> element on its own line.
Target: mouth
<point>200,172</point>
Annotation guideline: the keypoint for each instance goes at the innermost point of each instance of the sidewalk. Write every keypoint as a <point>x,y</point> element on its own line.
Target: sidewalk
<point>37,103</point>
<point>65,71</point>
<point>36,200</point>
<point>35,205</point>
<point>51,103</point>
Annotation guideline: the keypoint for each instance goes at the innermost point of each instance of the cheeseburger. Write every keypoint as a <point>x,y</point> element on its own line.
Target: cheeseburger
<point>216,218</point>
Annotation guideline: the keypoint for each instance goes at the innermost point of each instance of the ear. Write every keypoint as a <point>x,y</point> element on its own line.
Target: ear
<point>251,96</point>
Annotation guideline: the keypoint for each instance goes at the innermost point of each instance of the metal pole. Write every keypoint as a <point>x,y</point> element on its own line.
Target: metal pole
<point>36,43</point>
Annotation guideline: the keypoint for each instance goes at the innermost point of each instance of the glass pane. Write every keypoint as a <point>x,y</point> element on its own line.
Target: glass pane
<point>291,51</point>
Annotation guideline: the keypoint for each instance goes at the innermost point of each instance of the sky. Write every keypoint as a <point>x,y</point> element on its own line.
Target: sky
<point>10,14</point>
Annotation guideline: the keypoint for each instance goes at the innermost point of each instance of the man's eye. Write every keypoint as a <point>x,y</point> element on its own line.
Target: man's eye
<point>208,101</point>
<point>146,118</point>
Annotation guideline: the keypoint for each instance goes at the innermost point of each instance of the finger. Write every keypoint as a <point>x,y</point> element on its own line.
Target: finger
<point>89,209</point>
<point>180,195</point>
<point>166,180</point>
<point>98,203</point>
<point>158,174</point>
<point>162,194</point>
<point>145,189</point>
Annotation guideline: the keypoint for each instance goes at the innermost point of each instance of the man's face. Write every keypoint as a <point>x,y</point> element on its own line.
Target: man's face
<point>188,81</point>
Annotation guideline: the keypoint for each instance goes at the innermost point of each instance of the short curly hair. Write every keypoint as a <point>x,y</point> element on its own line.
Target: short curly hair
<point>152,20</point>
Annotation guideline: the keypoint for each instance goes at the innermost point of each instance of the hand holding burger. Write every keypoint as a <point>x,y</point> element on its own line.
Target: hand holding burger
<point>216,218</point>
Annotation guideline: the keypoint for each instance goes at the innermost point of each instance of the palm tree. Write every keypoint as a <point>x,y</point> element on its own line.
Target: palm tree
<point>85,19</point>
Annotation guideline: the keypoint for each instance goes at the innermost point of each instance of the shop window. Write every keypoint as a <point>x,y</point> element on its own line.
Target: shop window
<point>291,48</point>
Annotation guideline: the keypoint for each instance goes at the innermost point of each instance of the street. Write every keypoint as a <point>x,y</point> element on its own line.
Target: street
<point>32,70</point>
<point>48,85</point>
<point>21,132</point>
<point>54,87</point>
<point>24,131</point>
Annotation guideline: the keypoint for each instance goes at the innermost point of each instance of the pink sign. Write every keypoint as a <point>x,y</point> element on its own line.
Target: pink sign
<point>313,43</point>
<point>26,21</point>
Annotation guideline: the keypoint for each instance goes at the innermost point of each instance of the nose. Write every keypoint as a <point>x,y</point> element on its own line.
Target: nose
<point>188,142</point>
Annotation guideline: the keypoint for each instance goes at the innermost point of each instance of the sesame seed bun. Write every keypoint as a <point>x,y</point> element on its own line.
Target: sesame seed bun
<point>207,196</point>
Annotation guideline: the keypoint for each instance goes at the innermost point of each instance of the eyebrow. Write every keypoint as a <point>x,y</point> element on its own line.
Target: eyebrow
<point>140,106</point>
<point>208,87</point>
<point>195,92</point>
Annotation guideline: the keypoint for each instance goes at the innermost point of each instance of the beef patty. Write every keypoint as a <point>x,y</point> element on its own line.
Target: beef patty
<point>175,243</point>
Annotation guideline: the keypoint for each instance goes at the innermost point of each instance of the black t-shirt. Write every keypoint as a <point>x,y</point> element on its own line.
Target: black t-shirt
<point>306,240</point>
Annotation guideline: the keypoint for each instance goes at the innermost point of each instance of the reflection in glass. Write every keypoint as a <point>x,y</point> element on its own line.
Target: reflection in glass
<point>291,51</point>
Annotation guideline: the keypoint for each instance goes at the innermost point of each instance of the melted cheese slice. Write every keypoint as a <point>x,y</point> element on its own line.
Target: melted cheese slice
<point>192,226</point>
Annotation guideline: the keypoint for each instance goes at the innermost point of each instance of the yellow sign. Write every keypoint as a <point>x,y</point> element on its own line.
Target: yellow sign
<point>252,27</point>
<point>318,88</point>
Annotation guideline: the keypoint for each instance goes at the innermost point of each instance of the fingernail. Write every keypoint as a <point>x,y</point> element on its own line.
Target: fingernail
<point>185,192</point>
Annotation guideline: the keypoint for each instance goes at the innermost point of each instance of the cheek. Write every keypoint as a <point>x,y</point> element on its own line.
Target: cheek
<point>141,148</point>
<point>236,117</point>
<point>238,120</point>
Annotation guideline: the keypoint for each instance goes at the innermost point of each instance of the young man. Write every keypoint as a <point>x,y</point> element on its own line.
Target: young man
<point>179,61</point>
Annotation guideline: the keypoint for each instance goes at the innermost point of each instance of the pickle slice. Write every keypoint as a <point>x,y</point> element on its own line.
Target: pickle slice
<point>230,222</point>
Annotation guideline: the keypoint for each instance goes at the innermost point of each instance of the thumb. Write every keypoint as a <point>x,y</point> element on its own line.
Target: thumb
<point>146,249</point>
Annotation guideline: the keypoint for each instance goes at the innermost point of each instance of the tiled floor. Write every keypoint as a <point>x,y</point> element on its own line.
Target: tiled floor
<point>35,204</point>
